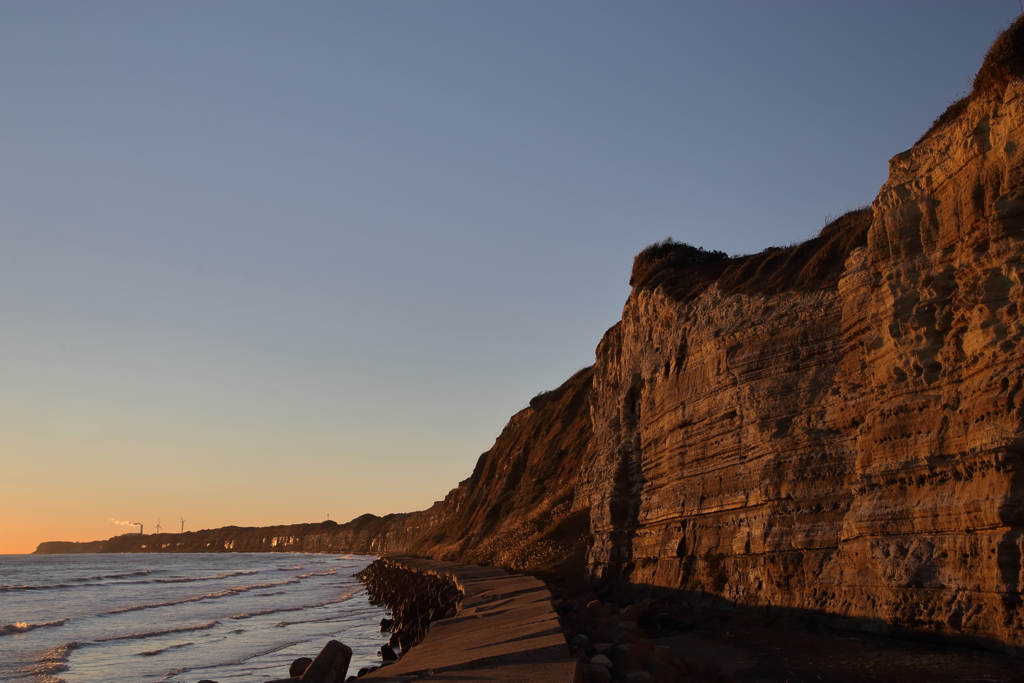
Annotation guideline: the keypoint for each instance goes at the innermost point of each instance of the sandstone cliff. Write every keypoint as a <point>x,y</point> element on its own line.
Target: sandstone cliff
<point>835,428</point>
<point>842,441</point>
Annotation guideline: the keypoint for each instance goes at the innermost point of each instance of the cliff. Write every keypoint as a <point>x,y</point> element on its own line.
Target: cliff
<point>845,441</point>
<point>836,428</point>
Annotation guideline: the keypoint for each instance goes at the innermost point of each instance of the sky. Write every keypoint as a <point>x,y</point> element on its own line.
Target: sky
<point>268,263</point>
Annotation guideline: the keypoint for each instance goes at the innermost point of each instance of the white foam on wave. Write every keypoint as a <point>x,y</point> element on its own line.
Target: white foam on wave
<point>329,572</point>
<point>342,598</point>
<point>153,653</point>
<point>87,582</point>
<point>141,572</point>
<point>289,569</point>
<point>25,627</point>
<point>190,579</point>
<point>164,632</point>
<point>186,669</point>
<point>50,662</point>
<point>260,613</point>
<point>196,598</point>
<point>283,624</point>
<point>276,648</point>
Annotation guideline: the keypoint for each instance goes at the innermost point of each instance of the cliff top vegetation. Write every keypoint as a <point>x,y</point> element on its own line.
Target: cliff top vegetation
<point>1003,62</point>
<point>683,271</point>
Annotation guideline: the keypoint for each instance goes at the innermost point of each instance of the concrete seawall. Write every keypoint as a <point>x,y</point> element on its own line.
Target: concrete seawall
<point>506,631</point>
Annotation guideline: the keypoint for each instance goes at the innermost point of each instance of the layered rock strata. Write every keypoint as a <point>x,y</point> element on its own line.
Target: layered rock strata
<point>851,447</point>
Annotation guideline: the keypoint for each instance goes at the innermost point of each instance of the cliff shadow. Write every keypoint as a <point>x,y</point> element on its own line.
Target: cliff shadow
<point>702,607</point>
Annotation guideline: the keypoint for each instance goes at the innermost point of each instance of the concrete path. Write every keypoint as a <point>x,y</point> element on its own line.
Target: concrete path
<point>505,632</point>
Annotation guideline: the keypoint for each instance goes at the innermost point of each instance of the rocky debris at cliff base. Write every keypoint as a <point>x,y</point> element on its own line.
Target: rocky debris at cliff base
<point>613,648</point>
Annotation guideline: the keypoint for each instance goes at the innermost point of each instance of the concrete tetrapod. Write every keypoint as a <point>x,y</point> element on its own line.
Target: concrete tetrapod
<point>330,666</point>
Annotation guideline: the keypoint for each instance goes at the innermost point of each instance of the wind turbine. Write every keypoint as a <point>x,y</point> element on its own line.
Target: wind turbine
<point>182,525</point>
<point>158,527</point>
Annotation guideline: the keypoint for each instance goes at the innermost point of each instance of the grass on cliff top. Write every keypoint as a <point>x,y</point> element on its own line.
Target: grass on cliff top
<point>1003,62</point>
<point>683,271</point>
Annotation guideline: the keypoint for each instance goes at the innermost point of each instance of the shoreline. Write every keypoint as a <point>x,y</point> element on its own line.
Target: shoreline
<point>511,628</point>
<point>505,629</point>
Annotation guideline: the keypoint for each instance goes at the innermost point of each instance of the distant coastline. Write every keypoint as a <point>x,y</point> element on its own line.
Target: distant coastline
<point>358,536</point>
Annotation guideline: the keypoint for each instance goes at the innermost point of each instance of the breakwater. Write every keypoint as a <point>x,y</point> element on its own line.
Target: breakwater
<point>509,627</point>
<point>415,599</point>
<point>505,628</point>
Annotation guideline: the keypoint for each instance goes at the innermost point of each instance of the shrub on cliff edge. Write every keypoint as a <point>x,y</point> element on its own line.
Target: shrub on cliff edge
<point>670,255</point>
<point>1003,62</point>
<point>682,271</point>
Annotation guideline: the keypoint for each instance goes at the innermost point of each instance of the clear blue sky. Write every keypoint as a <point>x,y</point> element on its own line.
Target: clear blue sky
<point>264,262</point>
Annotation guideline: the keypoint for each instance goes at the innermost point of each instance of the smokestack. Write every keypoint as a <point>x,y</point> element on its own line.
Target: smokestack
<point>138,524</point>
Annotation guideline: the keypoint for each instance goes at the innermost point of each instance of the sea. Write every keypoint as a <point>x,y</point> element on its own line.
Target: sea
<point>179,618</point>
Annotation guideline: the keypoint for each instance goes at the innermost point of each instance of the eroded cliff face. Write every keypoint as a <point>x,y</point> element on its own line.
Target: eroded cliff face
<point>854,448</point>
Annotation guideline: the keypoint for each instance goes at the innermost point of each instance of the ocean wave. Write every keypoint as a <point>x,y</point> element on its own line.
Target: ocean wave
<point>24,627</point>
<point>342,598</point>
<point>289,569</point>
<point>153,653</point>
<point>164,632</point>
<point>329,572</point>
<point>49,586</point>
<point>170,676</point>
<point>197,598</point>
<point>336,617</point>
<point>259,613</point>
<point>100,580</point>
<point>50,662</point>
<point>141,572</point>
<point>189,579</point>
<point>243,660</point>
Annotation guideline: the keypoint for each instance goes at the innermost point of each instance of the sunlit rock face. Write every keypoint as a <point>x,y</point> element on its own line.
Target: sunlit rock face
<point>853,448</point>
